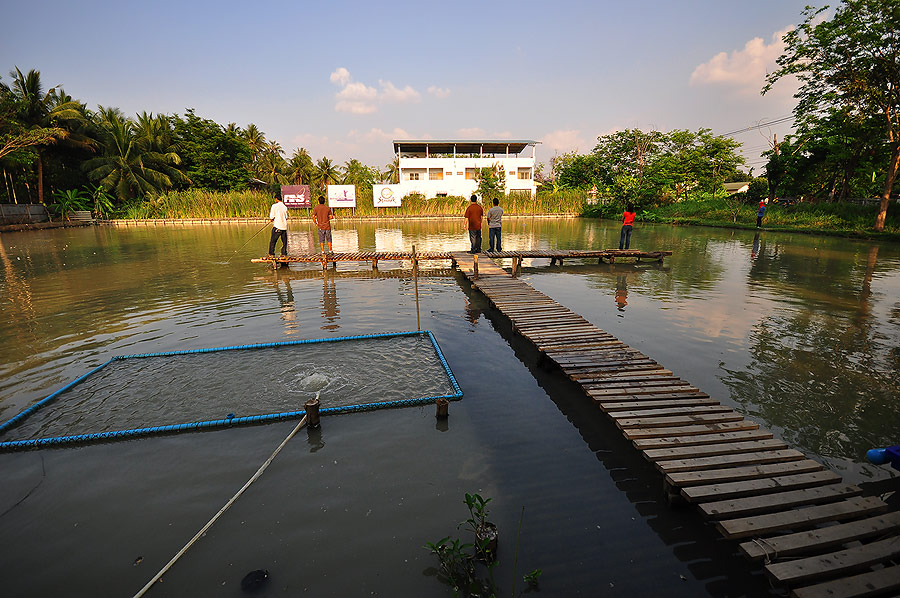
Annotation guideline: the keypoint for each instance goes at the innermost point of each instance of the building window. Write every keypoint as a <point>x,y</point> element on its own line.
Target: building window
<point>470,174</point>
<point>435,174</point>
<point>413,176</point>
<point>525,173</point>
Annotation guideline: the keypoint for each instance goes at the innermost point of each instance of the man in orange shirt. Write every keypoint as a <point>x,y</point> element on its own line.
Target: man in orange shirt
<point>322,216</point>
<point>472,218</point>
<point>627,224</point>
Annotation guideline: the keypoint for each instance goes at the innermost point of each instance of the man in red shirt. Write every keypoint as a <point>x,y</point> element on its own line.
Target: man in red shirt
<point>472,218</point>
<point>322,216</point>
<point>627,225</point>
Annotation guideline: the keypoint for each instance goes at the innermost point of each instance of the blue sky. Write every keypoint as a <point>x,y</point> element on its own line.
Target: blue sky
<point>343,79</point>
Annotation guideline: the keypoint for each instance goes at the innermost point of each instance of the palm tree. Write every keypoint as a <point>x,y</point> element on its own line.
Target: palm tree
<point>300,167</point>
<point>392,171</point>
<point>358,174</point>
<point>126,168</point>
<point>326,172</point>
<point>256,140</point>
<point>37,110</point>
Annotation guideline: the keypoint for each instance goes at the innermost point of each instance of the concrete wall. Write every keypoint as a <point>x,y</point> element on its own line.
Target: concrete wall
<point>23,213</point>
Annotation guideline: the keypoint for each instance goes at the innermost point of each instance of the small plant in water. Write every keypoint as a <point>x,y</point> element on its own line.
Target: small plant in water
<point>533,579</point>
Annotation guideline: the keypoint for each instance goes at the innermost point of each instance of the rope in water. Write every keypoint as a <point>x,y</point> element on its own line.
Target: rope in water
<point>230,502</point>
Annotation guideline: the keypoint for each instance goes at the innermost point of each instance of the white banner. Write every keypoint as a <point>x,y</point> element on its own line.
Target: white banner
<point>341,196</point>
<point>386,196</point>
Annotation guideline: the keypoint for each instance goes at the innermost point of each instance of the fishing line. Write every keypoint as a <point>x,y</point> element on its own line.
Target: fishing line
<point>248,242</point>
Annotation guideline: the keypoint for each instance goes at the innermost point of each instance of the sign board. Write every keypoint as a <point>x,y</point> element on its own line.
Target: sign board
<point>341,196</point>
<point>386,196</point>
<point>296,196</point>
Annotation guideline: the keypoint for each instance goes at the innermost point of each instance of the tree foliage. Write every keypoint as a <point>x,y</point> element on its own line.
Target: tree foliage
<point>651,166</point>
<point>849,68</point>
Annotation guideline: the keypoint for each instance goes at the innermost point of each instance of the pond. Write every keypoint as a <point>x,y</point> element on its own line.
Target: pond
<point>800,333</point>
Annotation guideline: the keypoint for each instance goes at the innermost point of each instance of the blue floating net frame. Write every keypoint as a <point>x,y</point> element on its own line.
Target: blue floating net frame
<point>228,421</point>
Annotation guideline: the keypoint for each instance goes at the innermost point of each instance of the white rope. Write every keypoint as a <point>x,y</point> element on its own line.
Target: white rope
<point>234,498</point>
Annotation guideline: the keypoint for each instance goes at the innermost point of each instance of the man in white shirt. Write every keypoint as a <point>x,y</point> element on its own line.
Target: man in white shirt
<point>278,214</point>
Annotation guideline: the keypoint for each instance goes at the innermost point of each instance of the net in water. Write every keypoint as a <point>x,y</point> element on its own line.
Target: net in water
<point>241,385</point>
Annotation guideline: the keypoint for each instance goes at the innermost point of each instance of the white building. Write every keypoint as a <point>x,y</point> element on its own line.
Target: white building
<point>447,167</point>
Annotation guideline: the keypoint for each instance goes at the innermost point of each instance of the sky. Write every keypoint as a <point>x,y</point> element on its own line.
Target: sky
<point>344,79</point>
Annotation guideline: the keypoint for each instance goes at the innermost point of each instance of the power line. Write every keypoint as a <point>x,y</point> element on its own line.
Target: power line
<point>758,126</point>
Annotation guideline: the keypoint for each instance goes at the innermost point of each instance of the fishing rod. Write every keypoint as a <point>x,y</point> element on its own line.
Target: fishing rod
<point>248,242</point>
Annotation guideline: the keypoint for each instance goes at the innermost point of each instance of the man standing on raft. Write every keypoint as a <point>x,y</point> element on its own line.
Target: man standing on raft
<point>322,216</point>
<point>278,214</point>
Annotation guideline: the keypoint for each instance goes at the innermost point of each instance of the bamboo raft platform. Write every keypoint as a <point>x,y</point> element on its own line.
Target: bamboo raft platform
<point>555,256</point>
<point>813,534</point>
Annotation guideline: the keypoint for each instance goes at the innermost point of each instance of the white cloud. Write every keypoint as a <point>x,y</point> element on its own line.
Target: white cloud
<point>376,135</point>
<point>390,93</point>
<point>358,98</point>
<point>439,92</point>
<point>341,76</point>
<point>744,70</point>
<point>470,133</point>
<point>564,140</point>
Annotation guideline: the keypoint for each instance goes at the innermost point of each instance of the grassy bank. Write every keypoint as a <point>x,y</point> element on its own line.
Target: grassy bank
<point>248,204</point>
<point>837,219</point>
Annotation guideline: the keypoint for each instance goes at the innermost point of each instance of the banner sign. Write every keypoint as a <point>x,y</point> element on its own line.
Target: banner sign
<point>341,196</point>
<point>386,196</point>
<point>296,196</point>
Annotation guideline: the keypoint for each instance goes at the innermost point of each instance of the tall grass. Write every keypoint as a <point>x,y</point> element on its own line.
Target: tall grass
<point>839,218</point>
<point>195,203</point>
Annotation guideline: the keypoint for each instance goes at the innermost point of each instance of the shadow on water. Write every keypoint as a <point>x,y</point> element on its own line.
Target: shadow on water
<point>712,559</point>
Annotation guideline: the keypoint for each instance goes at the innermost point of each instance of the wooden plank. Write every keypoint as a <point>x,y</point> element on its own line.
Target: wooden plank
<point>817,540</point>
<point>742,507</point>
<point>682,441</point>
<point>631,391</point>
<point>686,420</point>
<point>736,474</point>
<point>871,583</point>
<point>761,525</point>
<point>634,434</point>
<point>723,461</point>
<point>638,405</point>
<point>655,373</point>
<point>850,560</point>
<point>709,450</point>
<point>757,487</point>
<point>667,411</point>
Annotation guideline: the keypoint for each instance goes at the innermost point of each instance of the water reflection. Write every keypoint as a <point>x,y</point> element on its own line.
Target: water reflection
<point>621,291</point>
<point>330,309</point>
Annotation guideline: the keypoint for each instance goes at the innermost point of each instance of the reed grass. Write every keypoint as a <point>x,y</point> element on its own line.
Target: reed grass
<point>196,203</point>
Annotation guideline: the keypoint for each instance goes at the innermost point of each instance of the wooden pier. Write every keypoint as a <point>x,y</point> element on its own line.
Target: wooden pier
<point>813,534</point>
<point>555,256</point>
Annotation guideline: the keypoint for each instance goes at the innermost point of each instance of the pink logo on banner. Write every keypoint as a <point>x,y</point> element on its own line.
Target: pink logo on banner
<point>296,196</point>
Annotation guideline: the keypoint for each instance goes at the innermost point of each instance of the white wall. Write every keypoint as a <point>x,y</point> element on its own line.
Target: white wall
<point>454,172</point>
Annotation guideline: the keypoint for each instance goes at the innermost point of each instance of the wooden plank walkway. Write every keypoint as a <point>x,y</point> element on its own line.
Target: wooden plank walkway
<point>813,534</point>
<point>373,257</point>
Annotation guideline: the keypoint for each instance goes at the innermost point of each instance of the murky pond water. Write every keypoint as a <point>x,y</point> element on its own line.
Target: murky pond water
<point>801,333</point>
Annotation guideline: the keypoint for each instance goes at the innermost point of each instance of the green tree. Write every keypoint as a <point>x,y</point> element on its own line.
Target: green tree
<point>850,62</point>
<point>214,158</point>
<point>491,181</point>
<point>39,112</point>
<point>326,172</point>
<point>300,168</point>
<point>125,167</point>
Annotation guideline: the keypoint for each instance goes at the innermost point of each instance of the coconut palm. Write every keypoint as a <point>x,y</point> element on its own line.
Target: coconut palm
<point>358,174</point>
<point>125,167</point>
<point>300,168</point>
<point>36,110</point>
<point>326,172</point>
<point>392,171</point>
<point>256,141</point>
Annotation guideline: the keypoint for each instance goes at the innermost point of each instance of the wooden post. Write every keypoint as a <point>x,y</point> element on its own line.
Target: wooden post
<point>475,265</point>
<point>442,409</point>
<point>312,413</point>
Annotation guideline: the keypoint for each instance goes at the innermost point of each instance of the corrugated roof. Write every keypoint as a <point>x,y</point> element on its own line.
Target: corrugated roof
<point>463,146</point>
